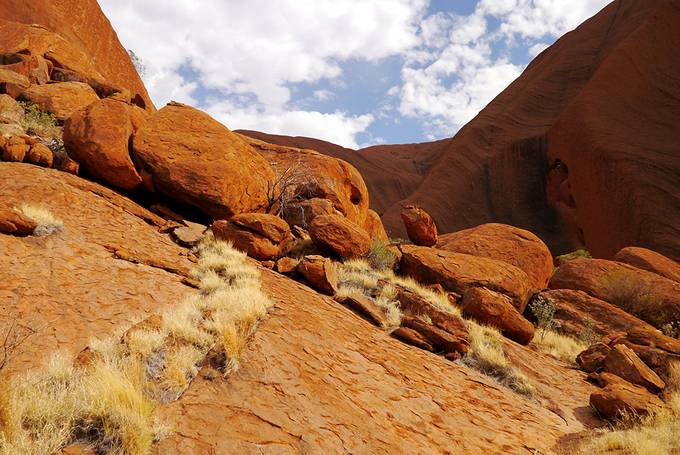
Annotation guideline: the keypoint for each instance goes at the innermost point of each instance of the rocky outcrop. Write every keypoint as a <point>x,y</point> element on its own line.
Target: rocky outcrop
<point>623,397</point>
<point>61,98</point>
<point>624,363</point>
<point>649,260</point>
<point>190,157</point>
<point>419,225</point>
<point>302,213</point>
<point>374,227</point>
<point>98,137</point>
<point>340,236</point>
<point>504,243</point>
<point>458,272</point>
<point>40,155</point>
<point>260,235</point>
<point>592,359</point>
<point>647,295</point>
<point>496,310</point>
<point>14,223</point>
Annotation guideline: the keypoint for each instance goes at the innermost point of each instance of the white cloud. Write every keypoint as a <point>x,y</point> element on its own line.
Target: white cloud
<point>337,127</point>
<point>322,95</point>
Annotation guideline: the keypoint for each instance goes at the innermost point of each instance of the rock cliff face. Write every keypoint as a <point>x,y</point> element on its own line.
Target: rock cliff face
<point>84,26</point>
<point>579,149</point>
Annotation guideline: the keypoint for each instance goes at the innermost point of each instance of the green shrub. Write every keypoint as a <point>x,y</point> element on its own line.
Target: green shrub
<point>544,309</point>
<point>380,257</point>
<point>39,123</point>
<point>578,254</point>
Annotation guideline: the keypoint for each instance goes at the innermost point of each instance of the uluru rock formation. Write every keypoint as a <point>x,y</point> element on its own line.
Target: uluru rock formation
<point>578,149</point>
<point>170,286</point>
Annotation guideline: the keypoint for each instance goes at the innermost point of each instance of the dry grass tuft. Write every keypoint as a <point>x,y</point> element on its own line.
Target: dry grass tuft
<point>560,346</point>
<point>109,404</point>
<point>46,221</point>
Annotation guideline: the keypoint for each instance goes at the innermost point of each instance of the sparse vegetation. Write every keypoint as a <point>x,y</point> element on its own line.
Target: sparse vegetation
<point>109,401</point>
<point>543,308</point>
<point>486,355</point>
<point>46,221</point>
<point>671,329</point>
<point>627,292</point>
<point>656,434</point>
<point>39,123</point>
<point>578,254</point>
<point>560,346</point>
<point>380,257</point>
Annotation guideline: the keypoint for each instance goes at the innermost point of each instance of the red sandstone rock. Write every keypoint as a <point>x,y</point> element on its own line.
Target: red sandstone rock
<point>497,310</point>
<point>458,272</point>
<point>410,336</point>
<point>419,225</point>
<point>617,398</point>
<point>14,149</point>
<point>190,234</point>
<point>62,98</point>
<point>449,343</point>
<point>194,159</point>
<point>623,362</point>
<point>268,226</point>
<point>12,83</point>
<point>98,137</point>
<point>259,234</point>
<point>647,295</point>
<point>504,243</point>
<point>11,112</point>
<point>649,260</point>
<point>287,265</point>
<point>303,212</point>
<point>374,227</point>
<point>413,305</point>
<point>364,307</point>
<point>340,236</point>
<point>14,223</point>
<point>40,155</point>
<point>320,273</point>
<point>592,359</point>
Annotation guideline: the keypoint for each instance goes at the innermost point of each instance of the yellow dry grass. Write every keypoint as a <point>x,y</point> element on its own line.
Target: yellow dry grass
<point>560,346</point>
<point>110,403</point>
<point>46,222</point>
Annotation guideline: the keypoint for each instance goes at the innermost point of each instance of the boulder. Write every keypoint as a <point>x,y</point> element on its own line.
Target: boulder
<point>301,213</point>
<point>194,159</point>
<point>340,236</point>
<point>287,265</point>
<point>651,297</point>
<point>440,339</point>
<point>14,149</point>
<point>603,379</point>
<point>578,312</point>
<point>260,235</point>
<point>505,243</point>
<point>61,98</point>
<point>40,155</point>
<point>419,225</point>
<point>623,362</point>
<point>413,305</point>
<point>190,234</point>
<point>656,350</point>
<point>34,67</point>
<point>14,223</point>
<point>307,174</point>
<point>63,162</point>
<point>12,83</point>
<point>619,398</point>
<point>412,337</point>
<point>494,309</point>
<point>98,137</point>
<point>10,111</point>
<point>592,359</point>
<point>649,260</point>
<point>457,272</point>
<point>374,227</point>
<point>320,273</point>
<point>364,307</point>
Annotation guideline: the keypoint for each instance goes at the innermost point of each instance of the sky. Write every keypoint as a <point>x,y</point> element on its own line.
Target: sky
<point>352,72</point>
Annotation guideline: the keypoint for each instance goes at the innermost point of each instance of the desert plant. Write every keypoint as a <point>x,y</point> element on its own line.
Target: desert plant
<point>560,346</point>
<point>380,257</point>
<point>578,254</point>
<point>46,222</point>
<point>543,309</point>
<point>287,177</point>
<point>588,335</point>
<point>137,62</point>
<point>671,329</point>
<point>12,336</point>
<point>627,292</point>
<point>39,123</point>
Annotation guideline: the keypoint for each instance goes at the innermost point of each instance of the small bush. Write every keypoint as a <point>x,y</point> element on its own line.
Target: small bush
<point>671,329</point>
<point>39,123</point>
<point>543,308</point>
<point>380,257</point>
<point>627,292</point>
<point>578,254</point>
<point>46,221</point>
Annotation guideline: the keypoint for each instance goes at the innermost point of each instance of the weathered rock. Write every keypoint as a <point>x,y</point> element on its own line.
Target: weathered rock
<point>194,159</point>
<point>340,236</point>
<point>656,350</point>
<point>649,260</point>
<point>440,339</point>
<point>313,175</point>
<point>259,234</point>
<point>618,398</point>
<point>592,359</point>
<point>410,336</point>
<point>34,67</point>
<point>301,213</point>
<point>578,312</point>
<point>364,307</point>
<point>458,272</point>
<point>374,227</point>
<point>61,98</point>
<point>651,297</point>
<point>77,449</point>
<point>419,225</point>
<point>320,273</point>
<point>98,137</point>
<point>268,264</point>
<point>14,149</point>
<point>494,309</point>
<point>14,223</point>
<point>623,362</point>
<point>10,111</point>
<point>603,379</point>
<point>40,155</point>
<point>63,162</point>
<point>12,83</point>
<point>190,234</point>
<point>502,242</point>
<point>287,265</point>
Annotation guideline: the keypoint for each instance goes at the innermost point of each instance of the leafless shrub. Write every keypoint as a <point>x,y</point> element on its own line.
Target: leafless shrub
<point>14,335</point>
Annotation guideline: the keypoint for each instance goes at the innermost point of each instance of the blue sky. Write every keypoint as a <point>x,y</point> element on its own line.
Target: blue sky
<point>353,72</point>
